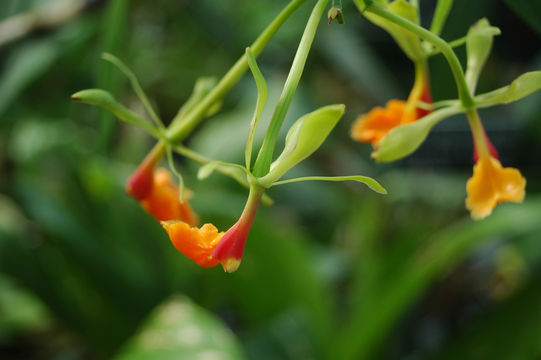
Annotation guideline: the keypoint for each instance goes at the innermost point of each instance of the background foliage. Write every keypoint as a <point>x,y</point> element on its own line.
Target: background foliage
<point>331,271</point>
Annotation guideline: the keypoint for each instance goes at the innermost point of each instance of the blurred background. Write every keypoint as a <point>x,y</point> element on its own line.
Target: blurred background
<point>332,270</point>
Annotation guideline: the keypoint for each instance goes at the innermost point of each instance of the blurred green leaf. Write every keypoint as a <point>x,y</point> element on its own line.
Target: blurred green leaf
<point>509,331</point>
<point>32,59</point>
<point>363,334</point>
<point>179,329</point>
<point>528,10</point>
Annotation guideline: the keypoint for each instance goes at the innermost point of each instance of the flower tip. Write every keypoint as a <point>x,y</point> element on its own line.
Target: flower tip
<point>230,265</point>
<point>140,183</point>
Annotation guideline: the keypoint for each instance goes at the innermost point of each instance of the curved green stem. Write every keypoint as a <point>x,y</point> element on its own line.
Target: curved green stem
<point>179,131</point>
<point>464,93</point>
<point>264,157</point>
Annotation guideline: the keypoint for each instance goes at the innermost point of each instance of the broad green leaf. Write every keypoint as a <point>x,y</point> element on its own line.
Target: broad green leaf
<point>179,329</point>
<point>303,138</point>
<point>405,139</point>
<point>102,98</point>
<point>522,86</point>
<point>408,42</point>
<point>478,44</point>
<point>368,181</point>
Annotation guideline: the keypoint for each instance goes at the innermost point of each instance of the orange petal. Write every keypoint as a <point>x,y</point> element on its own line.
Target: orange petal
<point>195,243</point>
<point>163,201</point>
<point>373,126</point>
<point>492,184</point>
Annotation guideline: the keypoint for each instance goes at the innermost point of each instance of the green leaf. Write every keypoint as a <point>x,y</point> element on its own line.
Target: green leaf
<point>405,139</point>
<point>408,42</point>
<point>368,181</point>
<point>179,329</point>
<point>303,138</point>
<point>478,45</point>
<point>102,98</point>
<point>522,86</point>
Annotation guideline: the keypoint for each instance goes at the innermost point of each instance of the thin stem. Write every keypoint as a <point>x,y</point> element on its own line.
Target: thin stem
<point>135,85</point>
<point>479,135</point>
<point>464,94</point>
<point>262,93</point>
<point>264,158</point>
<point>455,43</point>
<point>179,131</point>
<point>440,16</point>
<point>228,171</point>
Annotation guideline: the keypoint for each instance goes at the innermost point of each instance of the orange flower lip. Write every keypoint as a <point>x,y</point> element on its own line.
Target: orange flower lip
<point>195,243</point>
<point>373,126</point>
<point>492,184</point>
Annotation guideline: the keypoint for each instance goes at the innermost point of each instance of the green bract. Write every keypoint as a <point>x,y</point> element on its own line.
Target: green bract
<point>521,87</point>
<point>105,100</point>
<point>303,138</point>
<point>405,139</point>
<point>478,44</point>
<point>408,41</point>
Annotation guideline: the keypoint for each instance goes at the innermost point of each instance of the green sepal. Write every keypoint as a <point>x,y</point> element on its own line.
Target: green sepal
<point>522,86</point>
<point>104,99</point>
<point>303,138</point>
<point>207,169</point>
<point>406,40</point>
<point>368,181</point>
<point>262,94</point>
<point>405,139</point>
<point>478,45</point>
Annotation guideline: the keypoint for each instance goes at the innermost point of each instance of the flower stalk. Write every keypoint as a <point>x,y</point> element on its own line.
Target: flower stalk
<point>230,249</point>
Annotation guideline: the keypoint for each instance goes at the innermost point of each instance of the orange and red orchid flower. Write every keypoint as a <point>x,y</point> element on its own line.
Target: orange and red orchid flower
<point>158,195</point>
<point>374,125</point>
<point>208,247</point>
<point>491,183</point>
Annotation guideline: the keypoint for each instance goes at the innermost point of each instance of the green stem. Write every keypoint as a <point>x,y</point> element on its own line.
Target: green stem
<point>464,93</point>
<point>479,135</point>
<point>264,158</point>
<point>178,132</point>
<point>440,15</point>
<point>455,43</point>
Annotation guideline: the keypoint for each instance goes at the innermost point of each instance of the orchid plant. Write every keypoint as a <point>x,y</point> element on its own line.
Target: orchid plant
<point>394,131</point>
